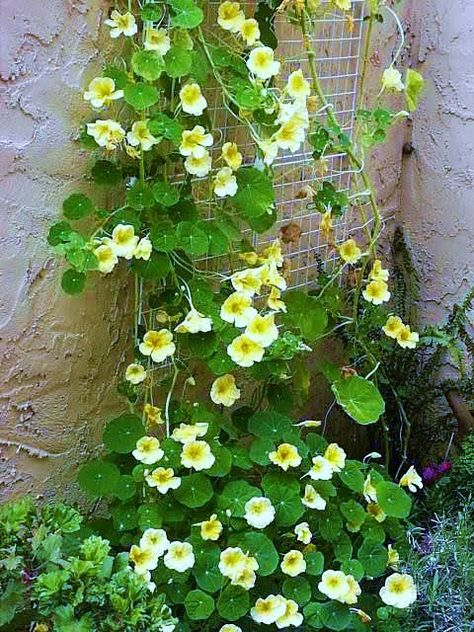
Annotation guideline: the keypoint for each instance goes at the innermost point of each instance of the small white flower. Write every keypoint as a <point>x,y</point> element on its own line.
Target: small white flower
<point>321,470</point>
<point>122,24</point>
<point>135,374</point>
<point>259,512</point>
<point>143,249</point>
<point>192,99</point>
<point>180,557</point>
<point>157,39</point>
<point>225,183</point>
<point>399,591</point>
<point>262,64</point>
<point>303,533</point>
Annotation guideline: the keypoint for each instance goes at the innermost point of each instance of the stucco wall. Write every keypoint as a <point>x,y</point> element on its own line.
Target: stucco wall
<point>59,354</point>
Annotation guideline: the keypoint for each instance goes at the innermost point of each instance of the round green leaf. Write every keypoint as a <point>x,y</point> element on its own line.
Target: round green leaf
<point>163,125</point>
<point>255,195</point>
<point>199,605</point>
<point>106,172</point>
<point>359,398</point>
<point>192,239</point>
<point>165,194</point>
<point>98,478</point>
<point>284,493</point>
<point>124,517</point>
<point>233,603</point>
<point>269,425</point>
<point>206,569</point>
<point>155,269</point>
<point>330,523</point>
<point>352,477</point>
<point>220,363</point>
<point>374,557</point>
<point>122,433</point>
<point>163,237</point>
<point>148,64</point>
<point>77,206</point>
<point>223,463</point>
<point>151,12</point>
<point>178,62</point>
<point>140,95</point>
<point>150,516</point>
<point>195,490</point>
<point>259,450</point>
<point>393,500</point>
<point>234,496</point>
<point>58,233</point>
<point>335,616</point>
<point>126,488</point>
<point>187,15</point>
<point>73,282</point>
<point>298,589</point>
<point>140,197</point>
<point>314,562</point>
<point>354,568</point>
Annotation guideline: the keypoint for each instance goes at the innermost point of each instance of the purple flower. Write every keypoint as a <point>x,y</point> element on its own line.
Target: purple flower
<point>430,474</point>
<point>445,467</point>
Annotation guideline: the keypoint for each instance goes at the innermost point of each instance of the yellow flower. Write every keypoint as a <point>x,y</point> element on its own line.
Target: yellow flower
<point>237,308</point>
<point>247,281</point>
<point>189,432</point>
<point>313,499</point>
<point>251,258</point>
<point>230,627</point>
<point>41,627</point>
<point>133,152</point>
<point>250,31</point>
<point>274,301</point>
<point>244,351</point>
<point>245,579</point>
<point>290,135</point>
<point>140,136</point>
<point>335,456</point>
<point>230,16</point>
<point>269,275</point>
<point>303,533</point>
<point>393,326</point>
<point>326,224</point>
<point>124,241</point>
<point>285,456</point>
<point>148,450</point>
<point>344,5</point>
<point>369,491</point>
<point>297,86</point>
<point>268,610</point>
<point>192,99</point>
<point>144,559</point>
<point>272,254</point>
<point>295,112</point>
<point>180,557</point>
<point>262,330</point>
<point>194,323</point>
<point>376,512</point>
<point>412,480</point>
<point>393,556</point>
<point>293,563</point>
<point>194,141</point>
<point>163,479</point>
<point>158,345</point>
<point>197,455</point>
<point>321,470</point>
<point>135,374</point>
<point>155,539</point>
<point>269,149</point>
<point>334,584</point>
<point>153,414</point>
<point>353,593</point>
<point>102,92</point>
<point>399,591</point>
<point>157,39</point>
<point>378,273</point>
<point>291,616</point>
<point>224,390</point>
<point>211,529</point>
<point>406,338</point>
<point>392,80</point>
<point>232,155</point>
<point>107,258</point>
<point>198,166</point>
<point>262,64</point>
<point>143,249</point>
<point>225,183</point>
<point>232,561</point>
<point>259,512</point>
<point>349,251</point>
<point>122,24</point>
<point>106,133</point>
<point>376,292</point>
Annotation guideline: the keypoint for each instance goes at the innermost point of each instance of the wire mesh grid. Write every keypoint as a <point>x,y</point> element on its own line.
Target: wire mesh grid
<point>337,43</point>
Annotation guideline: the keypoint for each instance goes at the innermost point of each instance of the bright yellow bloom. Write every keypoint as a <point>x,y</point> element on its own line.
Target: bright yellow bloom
<point>412,480</point>
<point>230,16</point>
<point>41,627</point>
<point>224,390</point>
<point>392,80</point>
<point>225,183</point>
<point>262,64</point>
<point>259,512</point>
<point>232,155</point>
<point>122,24</point>
<point>353,593</point>
<point>335,456</point>
<point>376,512</point>
<point>245,579</point>
<point>322,470</point>
<point>369,491</point>
<point>326,224</point>
<point>250,31</point>
<point>107,258</point>
<point>269,149</point>
<point>153,414</point>
<point>376,292</point>
<point>393,556</point>
<point>106,133</point>
<point>232,562</point>
<point>313,499</point>
<point>285,456</point>
<point>124,241</point>
<point>211,529</point>
<point>247,281</point>
<point>269,275</point>
<point>268,610</point>
<point>251,258</point>
<point>163,479</point>
<point>198,166</point>
<point>406,338</point>
<point>189,432</point>
<point>158,345</point>
<point>192,99</point>
<point>399,591</point>
<point>291,616</point>
<point>155,539</point>
<point>262,330</point>
<point>350,252</point>
<point>194,323</point>
<point>102,92</point>
<point>197,455</point>
<point>144,559</point>
<point>393,326</point>
<point>135,374</point>
<point>140,136</point>
<point>290,135</point>
<point>143,249</point>
<point>378,273</point>
<point>230,627</point>
<point>334,584</point>
<point>344,5</point>
<point>293,563</point>
<point>157,39</point>
<point>194,141</point>
<point>237,309</point>
<point>180,557</point>
<point>272,254</point>
<point>244,351</point>
<point>148,450</point>
<point>297,86</point>
<point>303,533</point>
<point>274,301</point>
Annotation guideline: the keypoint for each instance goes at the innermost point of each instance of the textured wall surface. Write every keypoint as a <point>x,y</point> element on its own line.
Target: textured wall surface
<point>58,353</point>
